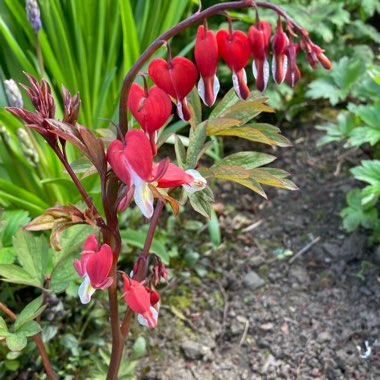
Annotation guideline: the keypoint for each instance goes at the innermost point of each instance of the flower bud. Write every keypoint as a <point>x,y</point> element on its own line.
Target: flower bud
<point>234,49</point>
<point>293,74</point>
<point>258,36</point>
<point>33,14</point>
<point>27,147</point>
<point>13,94</point>
<point>280,60</point>
<point>206,56</point>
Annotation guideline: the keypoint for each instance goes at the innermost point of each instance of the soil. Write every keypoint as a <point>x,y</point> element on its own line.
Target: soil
<point>288,295</point>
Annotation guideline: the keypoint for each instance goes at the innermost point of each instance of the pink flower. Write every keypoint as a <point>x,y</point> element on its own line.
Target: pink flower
<point>176,77</point>
<point>133,164</point>
<point>150,108</point>
<point>234,49</point>
<point>138,299</point>
<point>280,60</point>
<point>293,74</point>
<point>94,267</point>
<point>206,56</point>
<point>258,36</point>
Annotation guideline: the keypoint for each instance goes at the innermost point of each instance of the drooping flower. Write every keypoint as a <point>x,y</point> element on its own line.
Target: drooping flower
<point>94,267</point>
<point>133,164</point>
<point>206,56</point>
<point>176,77</point>
<point>258,36</point>
<point>293,74</point>
<point>234,49</point>
<point>280,60</point>
<point>138,299</point>
<point>150,108</point>
<point>154,299</point>
<point>323,60</point>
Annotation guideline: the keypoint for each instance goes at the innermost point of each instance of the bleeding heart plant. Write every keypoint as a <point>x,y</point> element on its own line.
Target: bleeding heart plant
<point>128,168</point>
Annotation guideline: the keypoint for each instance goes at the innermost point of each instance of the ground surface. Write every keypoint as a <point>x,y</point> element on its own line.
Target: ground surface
<point>257,316</point>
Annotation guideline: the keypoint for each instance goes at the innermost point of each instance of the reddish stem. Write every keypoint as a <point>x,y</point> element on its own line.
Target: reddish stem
<point>39,343</point>
<point>83,192</point>
<point>192,20</point>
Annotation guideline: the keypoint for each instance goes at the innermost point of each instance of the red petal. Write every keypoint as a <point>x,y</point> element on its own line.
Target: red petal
<point>90,245</point>
<point>138,153</point>
<point>234,50</point>
<point>206,52</point>
<point>136,296</point>
<point>174,176</point>
<point>119,164</point>
<point>152,111</point>
<point>176,79</point>
<point>259,39</point>
<point>98,266</point>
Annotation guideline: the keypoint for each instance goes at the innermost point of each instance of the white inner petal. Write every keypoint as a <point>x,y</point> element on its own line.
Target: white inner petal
<point>85,291</point>
<point>254,69</point>
<point>266,73</point>
<point>142,195</point>
<point>201,90</point>
<point>199,182</point>
<point>143,321</point>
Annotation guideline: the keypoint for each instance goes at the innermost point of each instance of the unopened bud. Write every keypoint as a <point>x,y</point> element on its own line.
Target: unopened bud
<point>27,147</point>
<point>33,14</point>
<point>13,94</point>
<point>4,134</point>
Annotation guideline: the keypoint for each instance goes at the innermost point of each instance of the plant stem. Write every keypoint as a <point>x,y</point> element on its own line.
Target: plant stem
<point>83,192</point>
<point>39,343</point>
<point>117,338</point>
<point>140,274</point>
<point>194,19</point>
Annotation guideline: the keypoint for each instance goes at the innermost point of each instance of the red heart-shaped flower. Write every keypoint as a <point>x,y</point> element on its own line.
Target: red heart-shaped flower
<point>151,109</point>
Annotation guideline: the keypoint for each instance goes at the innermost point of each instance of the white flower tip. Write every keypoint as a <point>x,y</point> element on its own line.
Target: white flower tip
<point>143,320</point>
<point>199,182</point>
<point>85,291</point>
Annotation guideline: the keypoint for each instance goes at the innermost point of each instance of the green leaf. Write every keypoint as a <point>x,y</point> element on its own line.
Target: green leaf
<point>180,152</point>
<point>14,219</point>
<point>201,202</point>
<point>196,143</point>
<point>16,342</point>
<point>3,328</point>
<point>7,255</point>
<point>30,312</point>
<point>137,239</point>
<point>17,275</point>
<point>263,133</point>
<point>29,328</point>
<point>368,171</point>
<point>247,160</point>
<point>32,253</point>
<point>139,347</point>
<point>355,214</point>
